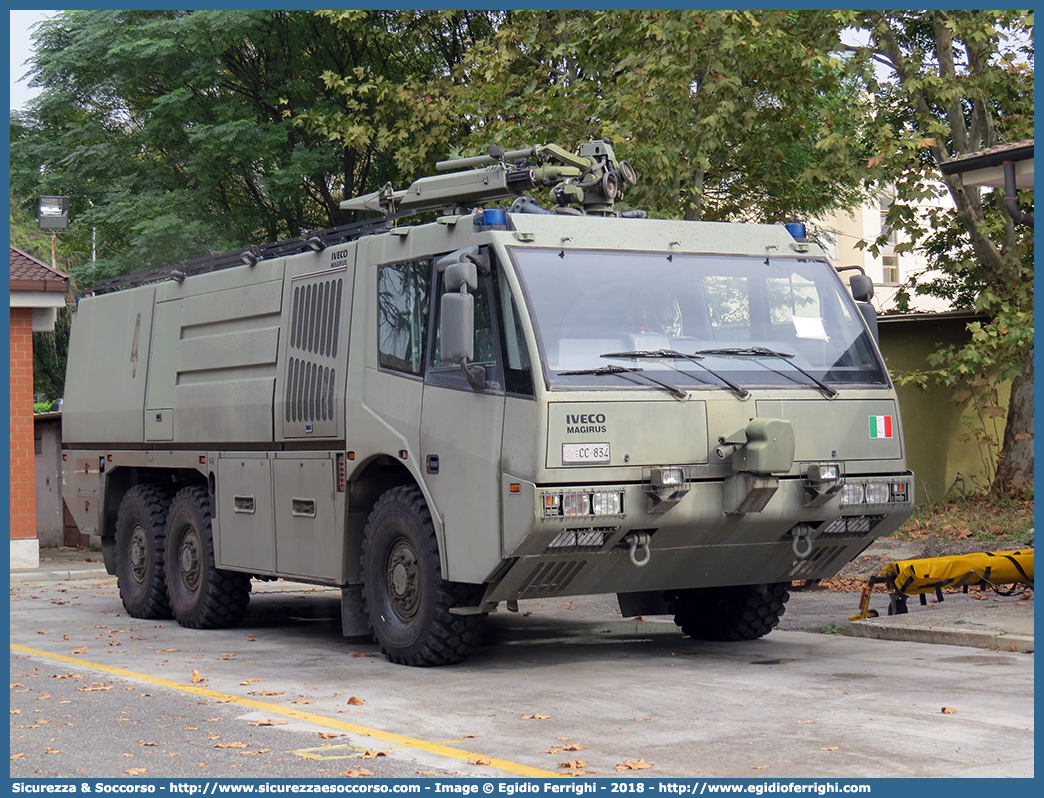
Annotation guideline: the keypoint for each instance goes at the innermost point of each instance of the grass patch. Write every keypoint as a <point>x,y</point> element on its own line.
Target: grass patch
<point>979,517</point>
<point>833,629</point>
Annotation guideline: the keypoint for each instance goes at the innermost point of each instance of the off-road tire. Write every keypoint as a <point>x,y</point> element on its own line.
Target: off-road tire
<point>405,598</point>
<point>140,547</point>
<point>737,612</point>
<point>202,596</point>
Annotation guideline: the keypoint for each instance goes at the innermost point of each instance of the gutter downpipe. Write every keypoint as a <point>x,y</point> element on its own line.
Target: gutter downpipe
<point>1011,197</point>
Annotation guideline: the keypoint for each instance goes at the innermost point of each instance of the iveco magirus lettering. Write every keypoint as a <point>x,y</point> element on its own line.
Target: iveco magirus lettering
<point>445,419</point>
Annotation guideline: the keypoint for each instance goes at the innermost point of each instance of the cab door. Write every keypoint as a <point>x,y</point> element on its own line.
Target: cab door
<point>461,433</point>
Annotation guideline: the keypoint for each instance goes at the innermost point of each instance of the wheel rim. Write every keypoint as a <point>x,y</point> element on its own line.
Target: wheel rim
<point>137,554</point>
<point>189,560</point>
<point>403,581</point>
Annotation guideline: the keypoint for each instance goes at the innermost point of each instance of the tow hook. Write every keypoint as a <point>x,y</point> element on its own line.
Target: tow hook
<point>797,533</point>
<point>635,541</point>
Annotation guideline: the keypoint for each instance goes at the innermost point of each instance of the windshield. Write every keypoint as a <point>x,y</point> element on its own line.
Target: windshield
<point>694,321</point>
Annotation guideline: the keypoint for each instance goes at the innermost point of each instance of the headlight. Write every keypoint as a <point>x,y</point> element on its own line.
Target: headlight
<point>824,472</point>
<point>576,504</point>
<point>663,477</point>
<point>606,503</point>
<point>581,503</point>
<point>852,493</point>
<point>877,492</point>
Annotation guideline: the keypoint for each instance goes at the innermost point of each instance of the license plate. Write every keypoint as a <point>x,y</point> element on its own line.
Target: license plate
<point>585,454</point>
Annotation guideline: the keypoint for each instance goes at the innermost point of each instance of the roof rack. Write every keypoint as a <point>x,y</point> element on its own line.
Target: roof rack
<point>315,240</point>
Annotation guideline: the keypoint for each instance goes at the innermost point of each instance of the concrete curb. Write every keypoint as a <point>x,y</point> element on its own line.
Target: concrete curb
<point>59,575</point>
<point>1005,627</point>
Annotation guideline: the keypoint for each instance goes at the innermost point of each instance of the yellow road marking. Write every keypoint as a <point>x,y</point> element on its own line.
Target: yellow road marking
<point>321,751</point>
<point>274,709</point>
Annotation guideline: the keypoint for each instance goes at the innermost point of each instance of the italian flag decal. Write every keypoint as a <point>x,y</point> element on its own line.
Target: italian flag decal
<point>880,426</point>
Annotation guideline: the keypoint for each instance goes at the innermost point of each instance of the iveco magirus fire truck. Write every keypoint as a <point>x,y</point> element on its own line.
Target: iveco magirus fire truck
<point>500,404</point>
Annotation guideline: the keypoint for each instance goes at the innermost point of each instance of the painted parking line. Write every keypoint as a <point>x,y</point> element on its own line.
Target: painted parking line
<point>440,749</point>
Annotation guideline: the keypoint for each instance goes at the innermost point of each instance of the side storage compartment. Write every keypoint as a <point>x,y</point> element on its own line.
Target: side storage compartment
<point>246,537</point>
<point>310,518</point>
<point>106,373</point>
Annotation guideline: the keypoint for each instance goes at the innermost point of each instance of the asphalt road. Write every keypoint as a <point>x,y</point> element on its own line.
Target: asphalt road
<point>561,682</point>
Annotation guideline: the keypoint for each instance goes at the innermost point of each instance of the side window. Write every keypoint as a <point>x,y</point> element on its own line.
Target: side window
<point>518,375</point>
<point>403,297</point>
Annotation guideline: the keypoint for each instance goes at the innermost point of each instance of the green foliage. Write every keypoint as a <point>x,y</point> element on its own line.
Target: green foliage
<point>182,132</point>
<point>958,82</point>
<point>834,629</point>
<point>720,111</point>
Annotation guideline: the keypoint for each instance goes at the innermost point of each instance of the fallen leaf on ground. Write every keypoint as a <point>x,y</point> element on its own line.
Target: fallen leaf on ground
<point>575,764</point>
<point>360,654</point>
<point>197,677</point>
<point>760,767</point>
<point>832,748</point>
<point>95,686</point>
<point>269,722</point>
<point>328,735</point>
<point>423,772</point>
<point>557,749</point>
<point>17,756</point>
<point>374,754</point>
<point>804,721</point>
<point>143,744</point>
<point>638,764</point>
<point>236,744</point>
<point>639,720</point>
<point>535,717</point>
<point>948,710</point>
<point>299,701</point>
<point>78,651</point>
<point>251,638</point>
<point>251,681</point>
<point>569,606</point>
<point>355,701</point>
<point>254,753</point>
<point>565,739</point>
<point>135,771</point>
<point>357,773</point>
<point>479,760</point>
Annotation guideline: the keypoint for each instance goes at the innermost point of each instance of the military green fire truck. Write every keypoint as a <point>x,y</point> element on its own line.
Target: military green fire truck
<point>499,404</point>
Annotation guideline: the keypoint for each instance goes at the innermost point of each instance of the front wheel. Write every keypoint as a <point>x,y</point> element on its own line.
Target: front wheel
<point>202,595</point>
<point>736,612</point>
<point>405,598</point>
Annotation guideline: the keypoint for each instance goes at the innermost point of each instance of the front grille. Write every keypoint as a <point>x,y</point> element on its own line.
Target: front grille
<point>549,578</point>
<point>581,539</point>
<point>818,560</point>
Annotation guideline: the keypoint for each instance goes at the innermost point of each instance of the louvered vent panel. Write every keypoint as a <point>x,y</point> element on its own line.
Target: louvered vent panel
<point>313,378</point>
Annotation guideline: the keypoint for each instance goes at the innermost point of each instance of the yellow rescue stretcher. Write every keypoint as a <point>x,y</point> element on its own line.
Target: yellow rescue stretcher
<point>906,578</point>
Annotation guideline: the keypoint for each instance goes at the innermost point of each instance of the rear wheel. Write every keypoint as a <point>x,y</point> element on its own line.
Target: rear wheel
<point>202,596</point>
<point>736,612</point>
<point>140,542</point>
<point>405,598</point>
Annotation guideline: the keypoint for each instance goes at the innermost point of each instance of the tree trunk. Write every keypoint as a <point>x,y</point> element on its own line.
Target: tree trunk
<point>1015,463</point>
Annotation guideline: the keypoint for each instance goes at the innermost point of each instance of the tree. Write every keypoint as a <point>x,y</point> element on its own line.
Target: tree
<point>958,82</point>
<point>180,132</point>
<point>719,110</point>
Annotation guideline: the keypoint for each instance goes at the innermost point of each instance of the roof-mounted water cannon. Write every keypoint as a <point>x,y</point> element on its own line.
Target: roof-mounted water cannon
<point>587,182</point>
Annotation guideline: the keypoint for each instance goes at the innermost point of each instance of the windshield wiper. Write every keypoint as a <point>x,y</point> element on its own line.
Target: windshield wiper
<point>675,392</point>
<point>761,351</point>
<point>666,354</point>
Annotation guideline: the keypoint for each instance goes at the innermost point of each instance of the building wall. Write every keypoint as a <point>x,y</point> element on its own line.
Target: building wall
<point>939,449</point>
<point>843,230</point>
<point>50,519</point>
<point>25,550</point>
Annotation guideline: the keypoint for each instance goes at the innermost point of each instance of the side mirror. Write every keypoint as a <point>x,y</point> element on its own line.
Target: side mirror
<point>457,327</point>
<point>457,313</point>
<point>862,287</point>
